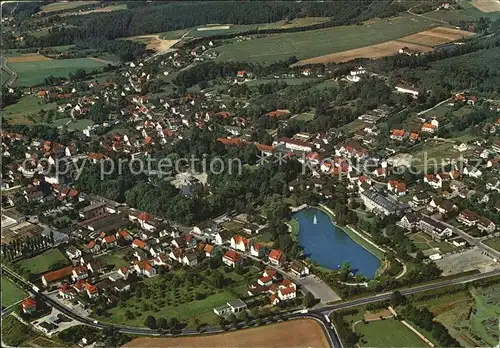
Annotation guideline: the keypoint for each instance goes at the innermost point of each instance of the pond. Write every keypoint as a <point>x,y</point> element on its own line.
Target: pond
<point>330,246</point>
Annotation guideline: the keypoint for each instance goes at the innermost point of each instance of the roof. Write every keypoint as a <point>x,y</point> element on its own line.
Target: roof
<point>398,132</point>
<point>265,279</point>
<point>230,141</point>
<point>28,302</point>
<point>59,274</point>
<point>469,215</point>
<point>278,113</point>
<point>238,239</point>
<point>110,239</point>
<point>286,291</point>
<point>139,243</point>
<point>90,288</point>
<point>264,148</point>
<point>208,248</point>
<point>275,254</point>
<point>428,125</point>
<point>232,255</point>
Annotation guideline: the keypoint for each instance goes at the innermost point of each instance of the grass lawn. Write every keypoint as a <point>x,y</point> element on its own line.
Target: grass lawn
<point>115,258</point>
<point>306,116</point>
<point>387,333</point>
<point>466,13</point>
<point>294,228</point>
<point>72,125</point>
<point>431,153</point>
<point>42,263</point>
<point>264,239</point>
<point>424,242</point>
<point>312,43</point>
<point>11,293</point>
<point>493,243</point>
<point>27,105</point>
<point>233,225</point>
<point>33,73</point>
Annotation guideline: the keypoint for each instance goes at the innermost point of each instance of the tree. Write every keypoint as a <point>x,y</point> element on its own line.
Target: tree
<point>163,323</point>
<point>397,299</point>
<point>308,300</point>
<point>150,322</point>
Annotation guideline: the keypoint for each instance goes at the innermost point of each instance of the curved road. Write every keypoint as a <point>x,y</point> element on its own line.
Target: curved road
<point>317,314</point>
<point>6,69</point>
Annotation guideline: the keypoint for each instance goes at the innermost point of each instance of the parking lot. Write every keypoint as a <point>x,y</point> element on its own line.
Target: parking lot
<point>465,261</point>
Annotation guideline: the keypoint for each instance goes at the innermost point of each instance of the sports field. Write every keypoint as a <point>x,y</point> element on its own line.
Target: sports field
<point>33,72</point>
<point>293,333</point>
<point>314,43</point>
<point>387,333</point>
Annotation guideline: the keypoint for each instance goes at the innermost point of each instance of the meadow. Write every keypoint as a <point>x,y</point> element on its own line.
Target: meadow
<point>27,105</point>
<point>387,333</point>
<point>312,43</point>
<point>11,293</point>
<point>42,263</point>
<point>62,6</point>
<point>33,73</point>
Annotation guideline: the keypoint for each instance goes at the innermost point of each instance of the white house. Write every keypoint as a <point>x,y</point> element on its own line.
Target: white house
<point>255,250</point>
<point>287,293</point>
<point>239,243</point>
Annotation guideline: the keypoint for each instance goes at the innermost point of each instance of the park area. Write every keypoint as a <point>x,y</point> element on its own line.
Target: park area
<point>182,295</point>
<point>293,333</point>
<point>45,262</point>
<point>424,242</point>
<point>11,293</point>
<point>30,73</point>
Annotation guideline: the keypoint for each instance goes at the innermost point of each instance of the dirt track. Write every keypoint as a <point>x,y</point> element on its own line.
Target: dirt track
<point>153,42</point>
<point>293,333</point>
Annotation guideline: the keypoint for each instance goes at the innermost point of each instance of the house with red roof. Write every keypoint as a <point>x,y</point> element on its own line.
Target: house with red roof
<point>231,258</point>
<point>109,241</point>
<point>398,134</point>
<point>396,187</point>
<point>137,243</point>
<point>79,272</point>
<point>208,250</point>
<point>145,268</point>
<point>29,305</point>
<point>67,292</point>
<point>93,247</point>
<point>124,234</point>
<point>276,257</point>
<point>428,128</point>
<point>265,281</point>
<point>433,181</point>
<point>240,243</point>
<point>56,276</point>
<point>287,293</point>
<point>256,250</point>
<point>91,290</point>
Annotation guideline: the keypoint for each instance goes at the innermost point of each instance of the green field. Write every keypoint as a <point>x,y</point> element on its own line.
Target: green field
<point>29,104</point>
<point>466,13</point>
<point>43,262</point>
<point>167,300</point>
<point>387,333</point>
<point>493,243</point>
<point>15,333</point>
<point>428,154</point>
<point>424,242</point>
<point>11,293</point>
<point>115,258</point>
<point>33,73</point>
<point>312,43</point>
<point>72,125</point>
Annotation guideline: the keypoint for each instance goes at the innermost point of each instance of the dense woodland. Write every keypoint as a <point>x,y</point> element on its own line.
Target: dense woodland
<point>155,17</point>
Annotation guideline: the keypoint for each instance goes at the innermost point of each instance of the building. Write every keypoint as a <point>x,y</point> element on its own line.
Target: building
<point>239,243</point>
<point>235,306</point>
<point>256,250</point>
<point>190,259</point>
<point>145,268</point>
<point>56,276</point>
<point>468,218</point>
<point>407,90</point>
<point>434,228</point>
<point>299,269</point>
<point>73,253</point>
<point>92,210</point>
<point>276,257</point>
<point>485,225</point>
<point>29,305</point>
<point>296,145</point>
<point>377,203</point>
<point>231,258</point>
<point>287,293</point>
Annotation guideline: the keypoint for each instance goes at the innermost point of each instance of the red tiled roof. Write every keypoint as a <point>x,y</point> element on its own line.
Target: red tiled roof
<point>230,141</point>
<point>28,302</point>
<point>275,254</point>
<point>59,274</point>
<point>139,243</point>
<point>110,239</point>
<point>288,290</point>
<point>232,255</point>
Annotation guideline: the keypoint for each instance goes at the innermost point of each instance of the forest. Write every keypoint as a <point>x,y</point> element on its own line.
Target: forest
<point>156,17</point>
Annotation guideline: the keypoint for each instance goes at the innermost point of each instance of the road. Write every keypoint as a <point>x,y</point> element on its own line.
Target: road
<point>12,74</point>
<point>471,240</point>
<point>327,327</point>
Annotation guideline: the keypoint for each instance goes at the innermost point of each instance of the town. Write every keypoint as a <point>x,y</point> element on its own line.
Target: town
<point>176,192</point>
